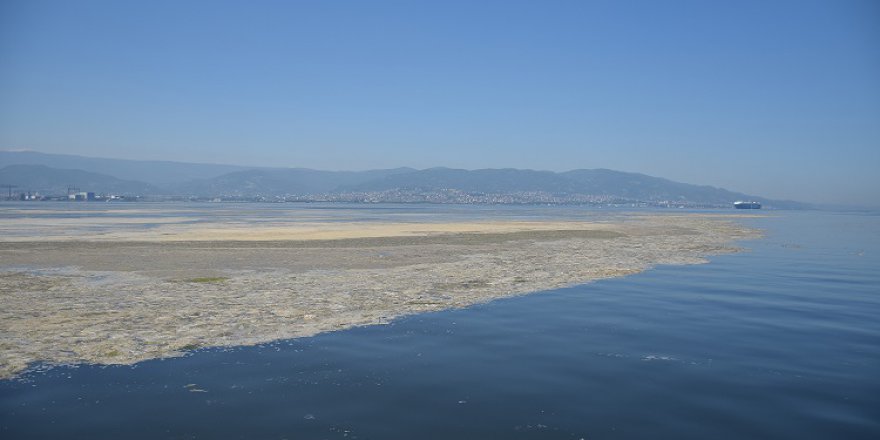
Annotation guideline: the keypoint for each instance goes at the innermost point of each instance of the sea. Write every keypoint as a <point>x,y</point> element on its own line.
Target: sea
<point>781,341</point>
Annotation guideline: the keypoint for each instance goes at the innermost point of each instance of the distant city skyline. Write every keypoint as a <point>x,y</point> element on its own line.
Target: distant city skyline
<point>779,99</point>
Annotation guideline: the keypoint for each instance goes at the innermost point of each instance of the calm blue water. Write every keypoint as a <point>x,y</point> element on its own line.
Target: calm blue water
<point>779,342</point>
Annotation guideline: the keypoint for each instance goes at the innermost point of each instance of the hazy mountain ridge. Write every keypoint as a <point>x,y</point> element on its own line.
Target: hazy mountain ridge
<point>54,181</point>
<point>484,180</point>
<point>644,187</point>
<point>381,185</point>
<point>157,173</point>
<point>280,181</point>
<point>623,185</point>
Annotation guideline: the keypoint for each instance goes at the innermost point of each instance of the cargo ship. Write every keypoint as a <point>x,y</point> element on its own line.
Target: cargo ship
<point>746,205</point>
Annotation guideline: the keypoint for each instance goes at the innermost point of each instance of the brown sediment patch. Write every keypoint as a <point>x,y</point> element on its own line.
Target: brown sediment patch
<point>99,301</point>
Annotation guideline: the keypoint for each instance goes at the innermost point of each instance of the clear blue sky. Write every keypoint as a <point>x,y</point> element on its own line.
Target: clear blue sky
<point>776,98</point>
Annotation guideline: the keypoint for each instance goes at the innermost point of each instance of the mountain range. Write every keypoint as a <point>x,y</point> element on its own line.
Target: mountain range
<point>54,174</point>
<point>47,180</point>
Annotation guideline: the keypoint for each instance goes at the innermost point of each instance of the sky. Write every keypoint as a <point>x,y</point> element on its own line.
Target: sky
<point>774,98</point>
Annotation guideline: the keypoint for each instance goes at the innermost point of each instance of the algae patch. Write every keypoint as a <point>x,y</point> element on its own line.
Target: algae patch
<point>126,302</point>
<point>206,280</point>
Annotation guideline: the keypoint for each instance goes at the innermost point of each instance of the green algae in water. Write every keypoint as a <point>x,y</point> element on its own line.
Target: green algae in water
<point>206,280</point>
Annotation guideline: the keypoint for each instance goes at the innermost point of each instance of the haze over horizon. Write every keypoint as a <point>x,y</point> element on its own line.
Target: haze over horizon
<point>780,99</point>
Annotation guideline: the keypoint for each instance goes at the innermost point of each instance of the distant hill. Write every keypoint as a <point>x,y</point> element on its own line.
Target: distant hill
<point>53,172</point>
<point>281,181</point>
<point>487,180</point>
<point>55,181</point>
<point>642,187</point>
<point>157,173</point>
<point>629,186</point>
